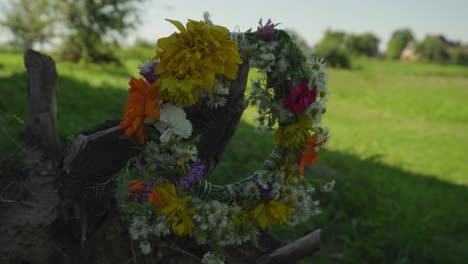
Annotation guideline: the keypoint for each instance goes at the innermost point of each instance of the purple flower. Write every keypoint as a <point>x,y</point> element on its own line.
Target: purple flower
<point>267,31</point>
<point>265,193</point>
<point>147,71</point>
<point>146,191</point>
<point>195,174</point>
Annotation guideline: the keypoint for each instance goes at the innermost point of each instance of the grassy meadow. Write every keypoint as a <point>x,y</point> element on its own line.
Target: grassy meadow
<point>397,152</point>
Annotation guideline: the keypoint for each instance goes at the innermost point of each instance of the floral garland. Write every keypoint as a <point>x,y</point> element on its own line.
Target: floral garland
<point>167,192</point>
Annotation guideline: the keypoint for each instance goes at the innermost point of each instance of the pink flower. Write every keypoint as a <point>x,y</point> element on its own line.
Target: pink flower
<point>300,97</point>
<point>267,31</point>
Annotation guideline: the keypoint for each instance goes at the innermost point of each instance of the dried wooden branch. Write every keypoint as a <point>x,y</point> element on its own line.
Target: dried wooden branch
<point>296,250</point>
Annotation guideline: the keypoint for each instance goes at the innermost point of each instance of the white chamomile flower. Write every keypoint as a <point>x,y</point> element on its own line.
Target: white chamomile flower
<point>145,247</point>
<point>212,258</point>
<point>159,227</point>
<point>151,147</point>
<point>216,101</point>
<point>263,178</point>
<point>251,190</point>
<point>289,193</point>
<point>173,122</point>
<point>188,152</point>
<point>276,190</point>
<point>328,187</point>
<point>139,228</point>
<point>219,88</point>
<point>318,64</point>
<point>215,210</point>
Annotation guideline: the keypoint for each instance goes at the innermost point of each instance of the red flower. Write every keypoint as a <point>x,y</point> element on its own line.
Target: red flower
<point>300,97</point>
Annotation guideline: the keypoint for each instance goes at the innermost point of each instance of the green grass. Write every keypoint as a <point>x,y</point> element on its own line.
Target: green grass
<point>397,153</point>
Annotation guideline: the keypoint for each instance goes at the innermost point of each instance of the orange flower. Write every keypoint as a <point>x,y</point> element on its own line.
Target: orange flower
<point>142,101</point>
<point>135,186</point>
<point>154,197</point>
<point>309,156</point>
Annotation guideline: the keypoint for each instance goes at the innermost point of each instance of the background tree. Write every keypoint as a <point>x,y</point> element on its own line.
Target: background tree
<point>459,55</point>
<point>433,49</point>
<point>30,22</point>
<point>366,44</point>
<point>94,27</point>
<point>398,41</point>
<point>331,47</point>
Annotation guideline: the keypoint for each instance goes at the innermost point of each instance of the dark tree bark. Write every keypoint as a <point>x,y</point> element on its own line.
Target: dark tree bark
<point>69,215</point>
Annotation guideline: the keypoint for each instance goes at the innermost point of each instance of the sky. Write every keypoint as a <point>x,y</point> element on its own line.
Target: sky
<point>310,18</point>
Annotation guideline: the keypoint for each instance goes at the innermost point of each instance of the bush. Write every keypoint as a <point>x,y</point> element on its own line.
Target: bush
<point>334,54</point>
<point>433,49</point>
<point>365,44</point>
<point>459,56</point>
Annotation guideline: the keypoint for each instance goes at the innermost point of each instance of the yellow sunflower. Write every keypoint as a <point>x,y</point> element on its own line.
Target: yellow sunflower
<point>189,60</point>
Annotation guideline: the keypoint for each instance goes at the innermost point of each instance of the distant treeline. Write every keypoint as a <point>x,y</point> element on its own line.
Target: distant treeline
<point>337,48</point>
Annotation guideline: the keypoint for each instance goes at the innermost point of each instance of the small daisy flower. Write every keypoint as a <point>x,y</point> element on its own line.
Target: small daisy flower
<point>251,190</point>
<point>145,247</point>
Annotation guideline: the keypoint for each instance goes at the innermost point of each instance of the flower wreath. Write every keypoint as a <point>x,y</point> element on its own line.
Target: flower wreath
<point>167,193</point>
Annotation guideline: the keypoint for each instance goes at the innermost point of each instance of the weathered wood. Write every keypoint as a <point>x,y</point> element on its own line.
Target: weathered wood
<point>27,220</point>
<point>42,86</point>
<point>217,126</point>
<point>74,216</point>
<point>296,250</point>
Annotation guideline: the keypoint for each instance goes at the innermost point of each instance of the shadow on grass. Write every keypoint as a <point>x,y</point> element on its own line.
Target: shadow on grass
<point>80,104</point>
<point>376,214</point>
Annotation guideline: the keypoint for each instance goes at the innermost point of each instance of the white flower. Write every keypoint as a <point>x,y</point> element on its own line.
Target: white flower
<point>173,122</point>
<point>328,187</point>
<point>263,178</point>
<point>216,101</point>
<point>145,247</point>
<point>252,190</point>
<point>188,152</point>
<point>219,88</point>
<point>317,64</point>
<point>159,227</point>
<point>139,228</point>
<point>212,258</point>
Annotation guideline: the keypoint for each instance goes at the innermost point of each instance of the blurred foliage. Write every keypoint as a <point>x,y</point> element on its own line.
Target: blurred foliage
<point>333,50</point>
<point>337,47</point>
<point>298,39</point>
<point>144,43</point>
<point>366,44</point>
<point>433,49</point>
<point>30,22</point>
<point>94,27</point>
<point>398,41</point>
<point>459,56</point>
